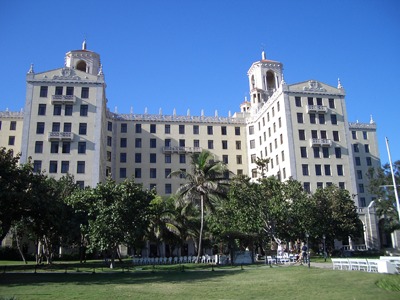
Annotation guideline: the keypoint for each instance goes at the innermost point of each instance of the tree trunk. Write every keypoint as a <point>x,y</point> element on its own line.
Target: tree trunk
<point>19,247</point>
<point>201,227</point>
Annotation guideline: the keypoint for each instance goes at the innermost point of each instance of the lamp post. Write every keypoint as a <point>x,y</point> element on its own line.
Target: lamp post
<point>308,248</point>
<point>324,237</point>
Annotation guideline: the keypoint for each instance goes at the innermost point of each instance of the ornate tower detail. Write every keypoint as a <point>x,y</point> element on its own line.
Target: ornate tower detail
<point>83,60</point>
<point>265,77</point>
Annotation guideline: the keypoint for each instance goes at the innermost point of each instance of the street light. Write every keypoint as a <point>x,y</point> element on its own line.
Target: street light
<point>308,248</point>
<point>324,237</point>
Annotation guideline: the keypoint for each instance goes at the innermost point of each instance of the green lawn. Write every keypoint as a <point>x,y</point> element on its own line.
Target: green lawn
<point>251,282</point>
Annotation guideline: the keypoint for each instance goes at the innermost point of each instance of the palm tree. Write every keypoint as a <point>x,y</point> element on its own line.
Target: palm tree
<point>203,185</point>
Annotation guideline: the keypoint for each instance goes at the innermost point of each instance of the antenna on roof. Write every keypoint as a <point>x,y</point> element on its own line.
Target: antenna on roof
<point>84,44</point>
<point>263,52</point>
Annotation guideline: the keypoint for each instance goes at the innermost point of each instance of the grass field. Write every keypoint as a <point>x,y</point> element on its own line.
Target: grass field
<point>249,282</point>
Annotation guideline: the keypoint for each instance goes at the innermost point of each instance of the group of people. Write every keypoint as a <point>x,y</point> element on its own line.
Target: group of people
<point>300,250</point>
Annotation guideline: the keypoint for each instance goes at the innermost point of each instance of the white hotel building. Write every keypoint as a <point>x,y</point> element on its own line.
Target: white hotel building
<point>302,128</point>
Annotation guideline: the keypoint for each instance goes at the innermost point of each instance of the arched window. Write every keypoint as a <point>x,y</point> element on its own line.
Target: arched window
<point>271,81</point>
<point>253,82</point>
<point>81,66</point>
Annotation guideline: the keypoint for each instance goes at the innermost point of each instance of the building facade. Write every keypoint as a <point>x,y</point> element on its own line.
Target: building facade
<point>302,128</point>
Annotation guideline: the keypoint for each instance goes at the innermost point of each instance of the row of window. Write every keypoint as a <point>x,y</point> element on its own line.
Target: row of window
<point>318,170</point>
<point>64,166</point>
<point>167,128</point>
<point>251,128</point>
<point>68,109</point>
<point>356,148</point>
<point>13,125</point>
<point>355,133</point>
<point>320,185</point>
<point>55,147</point>
<point>317,101</point>
<point>323,135</point>
<point>313,118</point>
<point>368,161</point>
<point>56,126</point>
<point>59,90</point>
<point>317,152</point>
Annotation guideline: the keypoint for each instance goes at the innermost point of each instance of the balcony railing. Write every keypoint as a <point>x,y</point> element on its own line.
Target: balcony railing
<point>64,99</point>
<point>316,108</point>
<point>178,149</point>
<point>321,142</point>
<point>57,136</point>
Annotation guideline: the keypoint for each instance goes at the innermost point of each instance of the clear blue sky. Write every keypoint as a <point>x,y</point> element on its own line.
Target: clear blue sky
<point>195,54</point>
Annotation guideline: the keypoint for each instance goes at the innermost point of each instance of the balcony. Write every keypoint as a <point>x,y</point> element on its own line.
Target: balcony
<point>317,109</point>
<point>321,142</point>
<point>178,149</point>
<point>63,99</point>
<point>60,136</point>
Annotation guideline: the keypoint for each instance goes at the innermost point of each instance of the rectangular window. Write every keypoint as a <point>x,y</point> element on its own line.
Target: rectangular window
<point>306,187</point>
<point>109,141</point>
<point>167,128</point>
<point>335,136</point>
<point>359,174</point>
<point>55,127</point>
<point>355,148</point>
<point>153,128</point>
<point>366,148</point>
<point>182,142</point>
<point>279,122</point>
<point>66,147</point>
<point>68,110</point>
<point>298,101</point>
<point>237,130</point>
<point>305,170</point>
<point>13,125</point>
<point>319,101</point>
<point>361,188</point>
<point>37,166</point>
<point>314,134</point>
<point>138,173</point>
<point>209,130</point>
<point>303,152</point>
<point>11,140</point>
<point>251,130</point>
<point>43,91</point>
<point>84,110</point>
<point>365,135</point>
<point>316,152</point>
<point>80,168</point>
<point>181,129</point>
<point>153,143</point>
<point>239,159</point>
<point>224,144</point>
<point>138,143</point>
<point>123,143</point>
<point>85,93</point>
<point>325,152</point>
<point>252,144</point>
<point>138,157</point>
<point>321,118</point>
<point>167,172</point>
<point>196,143</point>
<point>333,119</point>
<point>64,166</point>
<point>182,158</point>
<point>318,170</point>
<point>327,170</point>
<point>167,143</point>
<point>323,134</point>
<point>340,170</point>
<point>225,159</point>
<point>138,128</point>
<point>223,130</point>
<point>354,135</point>
<point>70,90</point>
<point>195,129</point>
<point>253,158</point>
<point>54,147</point>
<point>67,127</point>
<point>312,118</point>
<point>109,126</point>
<point>53,166</point>
<point>331,103</point>
<point>362,202</point>
<point>168,188</point>
<point>300,118</point>
<point>122,172</point>
<point>108,156</point>
<point>153,158</point>
<point>369,162</point>
<point>82,128</point>
<point>59,90</point>
<point>338,152</point>
<point>39,147</point>
<point>238,145</point>
<point>210,144</point>
<point>42,110</point>
<point>302,135</point>
<point>310,100</point>
<point>167,158</point>
<point>320,185</point>
<point>124,128</point>
<point>39,127</point>
<point>358,161</point>
<point>283,155</point>
<point>81,147</point>
<point>342,185</point>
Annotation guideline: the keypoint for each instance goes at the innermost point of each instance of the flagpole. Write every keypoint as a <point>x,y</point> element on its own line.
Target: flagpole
<point>393,179</point>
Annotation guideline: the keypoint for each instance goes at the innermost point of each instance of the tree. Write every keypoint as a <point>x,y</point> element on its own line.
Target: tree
<point>203,185</point>
<point>381,185</point>
<point>117,214</point>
